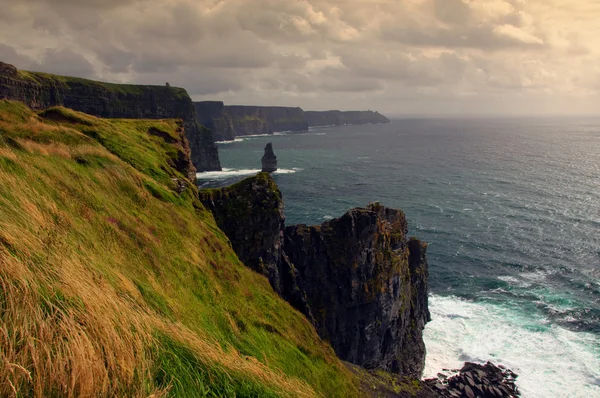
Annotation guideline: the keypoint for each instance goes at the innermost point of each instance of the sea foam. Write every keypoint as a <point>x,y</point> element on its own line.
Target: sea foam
<point>551,361</point>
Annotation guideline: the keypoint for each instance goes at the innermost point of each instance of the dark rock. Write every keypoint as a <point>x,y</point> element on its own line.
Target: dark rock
<point>493,382</point>
<point>269,160</point>
<point>468,392</point>
<point>357,278</point>
<point>251,214</point>
<point>366,286</point>
<point>41,91</point>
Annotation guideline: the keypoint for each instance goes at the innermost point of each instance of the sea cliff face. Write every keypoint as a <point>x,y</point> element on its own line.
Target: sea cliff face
<point>41,91</point>
<point>340,118</point>
<point>212,114</point>
<point>230,121</point>
<point>357,278</point>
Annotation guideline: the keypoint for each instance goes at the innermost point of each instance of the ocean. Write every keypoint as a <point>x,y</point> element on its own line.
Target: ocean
<point>510,209</point>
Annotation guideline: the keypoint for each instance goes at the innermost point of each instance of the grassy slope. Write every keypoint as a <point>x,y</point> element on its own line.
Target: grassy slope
<point>112,284</point>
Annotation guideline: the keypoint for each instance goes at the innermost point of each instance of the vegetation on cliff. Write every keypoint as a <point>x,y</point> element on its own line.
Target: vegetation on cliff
<point>115,281</point>
<point>43,90</point>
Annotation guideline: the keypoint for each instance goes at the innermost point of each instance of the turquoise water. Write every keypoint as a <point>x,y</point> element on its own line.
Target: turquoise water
<point>510,209</point>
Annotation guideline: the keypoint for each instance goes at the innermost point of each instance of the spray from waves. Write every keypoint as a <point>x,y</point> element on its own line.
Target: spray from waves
<point>551,361</point>
<point>233,173</point>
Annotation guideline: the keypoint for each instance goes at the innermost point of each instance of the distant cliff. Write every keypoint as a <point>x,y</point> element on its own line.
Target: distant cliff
<point>230,121</point>
<point>42,90</point>
<point>358,278</point>
<point>212,115</point>
<point>340,118</point>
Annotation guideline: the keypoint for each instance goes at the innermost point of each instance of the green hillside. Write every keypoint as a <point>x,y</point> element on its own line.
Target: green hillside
<point>115,281</point>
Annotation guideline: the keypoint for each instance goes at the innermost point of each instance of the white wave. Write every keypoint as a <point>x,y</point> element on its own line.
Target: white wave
<point>287,171</point>
<point>230,173</point>
<point>551,361</point>
<point>237,139</point>
<point>225,173</point>
<point>327,217</point>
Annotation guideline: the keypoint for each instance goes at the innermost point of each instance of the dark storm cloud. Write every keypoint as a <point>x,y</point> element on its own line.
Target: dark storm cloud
<point>67,62</point>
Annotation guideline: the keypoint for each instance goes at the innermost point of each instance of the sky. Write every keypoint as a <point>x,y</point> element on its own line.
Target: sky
<point>417,57</point>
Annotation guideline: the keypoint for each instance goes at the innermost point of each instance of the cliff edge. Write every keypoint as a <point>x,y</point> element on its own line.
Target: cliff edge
<point>41,90</point>
<point>358,278</point>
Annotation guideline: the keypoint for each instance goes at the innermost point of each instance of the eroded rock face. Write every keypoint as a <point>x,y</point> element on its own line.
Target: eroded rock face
<point>251,214</point>
<point>41,91</point>
<point>269,160</point>
<point>366,286</point>
<point>357,278</point>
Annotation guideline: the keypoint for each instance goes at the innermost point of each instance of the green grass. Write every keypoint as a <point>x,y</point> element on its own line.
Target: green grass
<point>113,284</point>
<point>127,89</point>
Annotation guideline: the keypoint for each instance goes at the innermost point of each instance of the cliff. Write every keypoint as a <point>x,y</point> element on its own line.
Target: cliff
<point>230,121</point>
<point>340,118</point>
<point>366,287</point>
<point>358,278</point>
<point>212,115</point>
<point>42,90</point>
<point>116,281</point>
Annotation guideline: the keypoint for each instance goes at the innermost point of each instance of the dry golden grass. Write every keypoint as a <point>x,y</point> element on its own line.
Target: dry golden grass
<point>95,268</point>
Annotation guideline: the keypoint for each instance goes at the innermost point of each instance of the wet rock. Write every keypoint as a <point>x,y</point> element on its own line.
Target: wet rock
<point>474,380</point>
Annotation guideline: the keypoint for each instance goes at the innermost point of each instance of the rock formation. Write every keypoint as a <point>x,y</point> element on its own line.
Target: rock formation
<point>269,160</point>
<point>474,380</point>
<point>251,214</point>
<point>366,286</point>
<point>42,90</point>
<point>358,278</point>
<point>340,118</point>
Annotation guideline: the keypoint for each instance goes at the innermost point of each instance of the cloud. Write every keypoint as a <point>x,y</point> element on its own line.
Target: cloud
<point>318,53</point>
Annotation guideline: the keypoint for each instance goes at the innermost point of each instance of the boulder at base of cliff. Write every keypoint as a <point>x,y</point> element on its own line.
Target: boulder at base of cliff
<point>474,380</point>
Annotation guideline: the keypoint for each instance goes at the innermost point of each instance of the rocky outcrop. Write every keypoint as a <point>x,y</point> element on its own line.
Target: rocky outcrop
<point>269,160</point>
<point>251,214</point>
<point>358,278</point>
<point>42,90</point>
<point>475,380</point>
<point>366,286</point>
<point>340,118</point>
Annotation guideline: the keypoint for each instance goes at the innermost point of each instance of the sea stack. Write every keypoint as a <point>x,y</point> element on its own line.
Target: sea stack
<point>269,160</point>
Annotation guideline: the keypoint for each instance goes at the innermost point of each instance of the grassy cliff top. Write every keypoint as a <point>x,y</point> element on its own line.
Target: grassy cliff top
<point>114,284</point>
<point>42,78</point>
